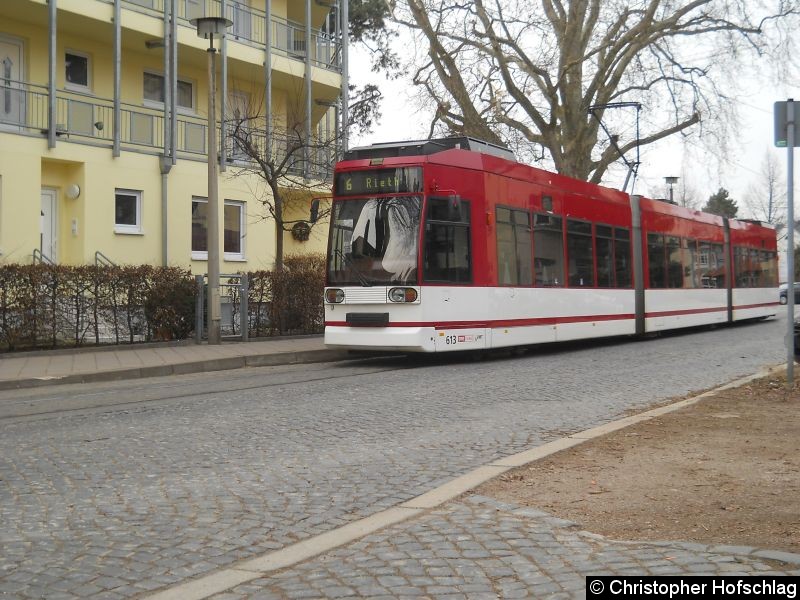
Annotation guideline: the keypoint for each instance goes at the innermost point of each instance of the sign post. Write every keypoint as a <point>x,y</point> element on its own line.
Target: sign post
<point>785,138</point>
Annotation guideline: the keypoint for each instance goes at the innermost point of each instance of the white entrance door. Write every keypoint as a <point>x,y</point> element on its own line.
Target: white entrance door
<point>48,238</point>
<point>12,92</point>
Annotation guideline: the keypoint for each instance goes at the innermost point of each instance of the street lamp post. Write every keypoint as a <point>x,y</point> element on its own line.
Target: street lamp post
<point>207,28</point>
<point>671,181</point>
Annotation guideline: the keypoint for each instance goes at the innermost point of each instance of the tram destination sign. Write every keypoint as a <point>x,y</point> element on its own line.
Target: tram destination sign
<point>379,181</point>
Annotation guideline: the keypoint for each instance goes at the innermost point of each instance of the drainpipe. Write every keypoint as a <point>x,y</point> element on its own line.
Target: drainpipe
<point>115,152</point>
<point>268,75</point>
<point>223,129</point>
<point>165,163</point>
<point>168,76</point>
<point>51,85</point>
<point>173,56</point>
<point>307,148</point>
<point>345,29</point>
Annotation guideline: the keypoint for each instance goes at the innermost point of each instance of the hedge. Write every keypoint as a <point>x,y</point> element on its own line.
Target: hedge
<point>51,306</point>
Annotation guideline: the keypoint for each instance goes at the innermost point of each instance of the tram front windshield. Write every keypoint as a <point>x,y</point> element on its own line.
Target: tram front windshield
<point>374,241</point>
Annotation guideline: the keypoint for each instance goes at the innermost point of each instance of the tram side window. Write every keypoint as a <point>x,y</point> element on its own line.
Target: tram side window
<point>604,242</point>
<point>754,268</point>
<point>513,247</point>
<point>656,260</point>
<point>769,269</point>
<point>622,257</point>
<point>743,267</point>
<point>710,265</point>
<point>548,250</point>
<point>690,279</point>
<point>674,263</point>
<point>447,251</point>
<point>579,253</point>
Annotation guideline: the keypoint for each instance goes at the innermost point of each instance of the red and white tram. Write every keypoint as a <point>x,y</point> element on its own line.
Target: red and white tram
<point>453,245</point>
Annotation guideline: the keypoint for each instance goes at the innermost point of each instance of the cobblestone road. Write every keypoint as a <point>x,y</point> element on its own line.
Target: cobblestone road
<point>480,549</point>
<point>119,501</point>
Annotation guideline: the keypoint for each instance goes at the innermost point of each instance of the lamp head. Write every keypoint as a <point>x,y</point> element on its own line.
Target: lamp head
<point>210,27</point>
<point>73,191</point>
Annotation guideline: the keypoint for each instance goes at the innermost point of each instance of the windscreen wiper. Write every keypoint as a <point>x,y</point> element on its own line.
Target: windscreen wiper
<point>346,258</point>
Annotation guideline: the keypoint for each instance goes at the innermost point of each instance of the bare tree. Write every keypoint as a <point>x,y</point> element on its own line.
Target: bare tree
<point>291,166</point>
<point>766,196</point>
<point>686,195</point>
<point>527,73</point>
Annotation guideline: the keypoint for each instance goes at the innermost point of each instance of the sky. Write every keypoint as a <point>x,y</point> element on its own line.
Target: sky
<point>736,172</point>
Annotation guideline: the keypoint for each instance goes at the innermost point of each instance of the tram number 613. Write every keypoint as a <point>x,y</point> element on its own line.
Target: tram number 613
<point>450,339</point>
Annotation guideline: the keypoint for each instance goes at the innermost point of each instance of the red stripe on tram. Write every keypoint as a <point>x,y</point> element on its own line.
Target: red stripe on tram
<point>545,321</point>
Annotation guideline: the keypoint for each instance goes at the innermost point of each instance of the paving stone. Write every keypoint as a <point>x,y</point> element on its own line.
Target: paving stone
<point>167,491</point>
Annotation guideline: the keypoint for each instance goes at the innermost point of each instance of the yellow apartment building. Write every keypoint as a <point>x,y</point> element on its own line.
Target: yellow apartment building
<point>103,125</point>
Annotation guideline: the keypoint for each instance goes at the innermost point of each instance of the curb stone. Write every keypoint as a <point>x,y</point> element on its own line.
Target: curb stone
<point>201,366</point>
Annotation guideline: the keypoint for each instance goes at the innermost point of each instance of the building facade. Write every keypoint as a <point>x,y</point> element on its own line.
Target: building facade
<point>103,126</point>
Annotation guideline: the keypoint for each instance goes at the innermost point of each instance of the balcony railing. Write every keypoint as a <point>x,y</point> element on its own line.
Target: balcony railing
<point>321,153</point>
<point>248,27</point>
<point>89,119</point>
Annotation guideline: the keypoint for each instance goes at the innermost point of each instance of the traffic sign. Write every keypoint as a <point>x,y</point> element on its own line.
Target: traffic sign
<point>782,122</point>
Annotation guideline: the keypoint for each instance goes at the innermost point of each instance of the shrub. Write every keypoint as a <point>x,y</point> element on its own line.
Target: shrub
<point>169,305</point>
<point>46,306</point>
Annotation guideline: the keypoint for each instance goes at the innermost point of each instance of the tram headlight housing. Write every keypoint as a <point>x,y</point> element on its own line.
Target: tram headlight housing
<point>403,294</point>
<point>334,296</point>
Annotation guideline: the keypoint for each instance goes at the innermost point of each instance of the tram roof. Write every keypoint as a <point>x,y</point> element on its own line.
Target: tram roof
<point>426,147</point>
<point>515,169</point>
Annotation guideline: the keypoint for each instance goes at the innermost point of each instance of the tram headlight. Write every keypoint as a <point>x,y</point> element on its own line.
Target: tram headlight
<point>334,296</point>
<point>401,294</point>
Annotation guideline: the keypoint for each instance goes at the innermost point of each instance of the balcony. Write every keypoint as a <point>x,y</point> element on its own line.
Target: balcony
<point>86,119</point>
<point>288,37</point>
<point>315,160</point>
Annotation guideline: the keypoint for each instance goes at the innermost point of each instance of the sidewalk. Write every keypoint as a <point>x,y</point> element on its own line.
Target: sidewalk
<point>131,362</point>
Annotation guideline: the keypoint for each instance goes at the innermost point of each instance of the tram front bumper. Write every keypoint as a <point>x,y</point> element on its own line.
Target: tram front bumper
<point>398,339</point>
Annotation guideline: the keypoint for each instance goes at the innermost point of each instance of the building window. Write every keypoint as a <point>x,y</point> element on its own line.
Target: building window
<point>76,70</point>
<point>154,91</point>
<point>128,211</point>
<point>199,228</point>
<point>233,232</point>
<point>513,247</point>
